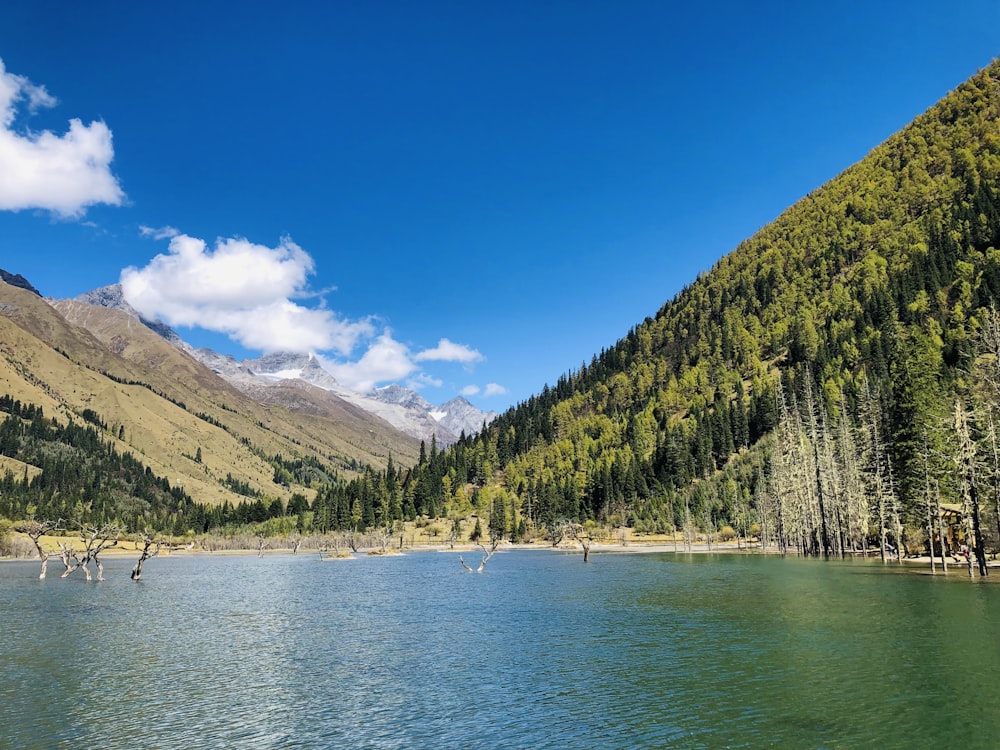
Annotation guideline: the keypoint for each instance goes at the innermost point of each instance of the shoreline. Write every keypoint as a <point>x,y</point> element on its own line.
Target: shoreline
<point>596,548</point>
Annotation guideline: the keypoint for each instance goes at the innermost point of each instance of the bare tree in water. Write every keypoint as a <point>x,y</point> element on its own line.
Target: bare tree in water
<point>150,548</point>
<point>382,535</point>
<point>95,540</point>
<point>580,534</point>
<point>353,539</point>
<point>35,530</point>
<point>488,552</point>
<point>335,541</point>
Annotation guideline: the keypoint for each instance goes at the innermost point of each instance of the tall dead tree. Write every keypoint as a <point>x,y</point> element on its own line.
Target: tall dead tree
<point>878,469</point>
<point>994,446</point>
<point>818,441</point>
<point>852,481</point>
<point>790,476</point>
<point>987,380</point>
<point>929,506</point>
<point>965,459</point>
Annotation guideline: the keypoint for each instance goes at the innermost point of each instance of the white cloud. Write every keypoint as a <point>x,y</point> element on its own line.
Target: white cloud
<point>241,289</point>
<point>158,233</point>
<point>493,389</point>
<point>448,351</point>
<point>386,360</point>
<point>423,380</point>
<point>63,174</point>
<point>246,291</point>
<point>470,390</point>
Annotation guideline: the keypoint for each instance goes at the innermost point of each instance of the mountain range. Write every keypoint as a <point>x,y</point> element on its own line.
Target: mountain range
<point>266,379</point>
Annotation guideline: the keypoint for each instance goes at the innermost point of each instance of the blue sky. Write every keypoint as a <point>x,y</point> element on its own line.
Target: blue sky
<point>464,197</point>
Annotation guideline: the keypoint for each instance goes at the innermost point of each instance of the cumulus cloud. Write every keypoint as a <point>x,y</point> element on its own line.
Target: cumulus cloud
<point>386,360</point>
<point>494,389</point>
<point>448,351</point>
<point>249,291</point>
<point>470,390</point>
<point>242,289</point>
<point>63,174</point>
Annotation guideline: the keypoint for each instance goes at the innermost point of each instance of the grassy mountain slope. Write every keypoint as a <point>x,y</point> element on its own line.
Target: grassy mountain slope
<point>165,408</point>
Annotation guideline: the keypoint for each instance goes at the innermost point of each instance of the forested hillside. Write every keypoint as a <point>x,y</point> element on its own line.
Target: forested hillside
<point>858,313</point>
<point>73,472</point>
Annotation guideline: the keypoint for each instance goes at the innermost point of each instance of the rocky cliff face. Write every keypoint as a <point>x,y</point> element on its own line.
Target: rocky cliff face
<point>459,416</point>
<point>16,279</point>
<point>111,296</point>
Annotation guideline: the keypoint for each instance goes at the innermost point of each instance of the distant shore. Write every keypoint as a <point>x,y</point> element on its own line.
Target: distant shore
<point>128,549</point>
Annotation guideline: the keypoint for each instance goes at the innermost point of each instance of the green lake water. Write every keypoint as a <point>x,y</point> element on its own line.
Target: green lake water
<point>539,651</point>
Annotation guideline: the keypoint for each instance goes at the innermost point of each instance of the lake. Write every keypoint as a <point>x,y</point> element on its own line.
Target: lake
<point>539,651</point>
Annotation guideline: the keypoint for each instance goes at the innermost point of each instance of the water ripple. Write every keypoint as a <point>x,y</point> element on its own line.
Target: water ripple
<point>631,651</point>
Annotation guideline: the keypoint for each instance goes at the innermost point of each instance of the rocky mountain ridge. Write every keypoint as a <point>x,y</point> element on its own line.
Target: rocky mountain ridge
<point>404,409</point>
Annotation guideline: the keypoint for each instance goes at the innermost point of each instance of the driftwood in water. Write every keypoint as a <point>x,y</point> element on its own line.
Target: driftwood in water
<point>488,552</point>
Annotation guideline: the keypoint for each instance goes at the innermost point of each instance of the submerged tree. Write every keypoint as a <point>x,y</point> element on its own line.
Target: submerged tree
<point>580,534</point>
<point>95,540</point>
<point>35,530</point>
<point>150,548</point>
